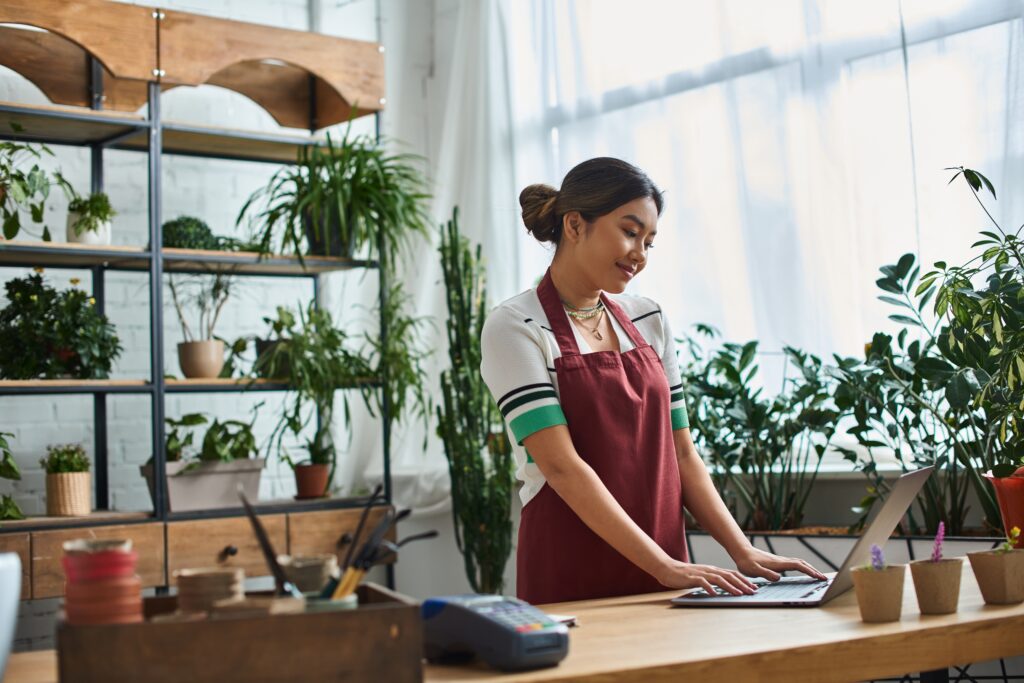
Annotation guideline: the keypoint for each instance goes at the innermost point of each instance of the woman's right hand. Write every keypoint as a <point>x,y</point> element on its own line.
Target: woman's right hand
<point>678,574</point>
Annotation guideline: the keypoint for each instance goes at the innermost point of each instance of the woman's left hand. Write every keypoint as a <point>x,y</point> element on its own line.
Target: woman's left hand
<point>754,562</point>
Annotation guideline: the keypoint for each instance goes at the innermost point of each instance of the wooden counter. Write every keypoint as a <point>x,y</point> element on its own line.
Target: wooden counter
<point>643,639</point>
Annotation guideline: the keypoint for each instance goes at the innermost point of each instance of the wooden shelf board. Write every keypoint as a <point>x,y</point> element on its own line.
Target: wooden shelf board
<point>218,384</point>
<point>227,143</point>
<point>79,383</point>
<point>68,125</point>
<point>97,517</point>
<point>252,263</point>
<point>23,253</point>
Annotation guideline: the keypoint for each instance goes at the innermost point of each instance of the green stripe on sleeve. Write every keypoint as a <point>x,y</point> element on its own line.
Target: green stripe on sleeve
<point>680,420</point>
<point>535,420</point>
<point>676,396</point>
<point>527,398</point>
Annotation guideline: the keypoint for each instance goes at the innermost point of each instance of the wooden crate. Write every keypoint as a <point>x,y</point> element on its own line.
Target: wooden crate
<point>382,640</point>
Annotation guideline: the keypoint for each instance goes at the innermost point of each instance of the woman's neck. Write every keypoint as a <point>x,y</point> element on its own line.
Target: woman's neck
<point>570,289</point>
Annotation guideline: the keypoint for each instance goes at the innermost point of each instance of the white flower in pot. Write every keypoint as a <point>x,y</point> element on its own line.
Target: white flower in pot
<point>89,219</point>
<point>202,356</point>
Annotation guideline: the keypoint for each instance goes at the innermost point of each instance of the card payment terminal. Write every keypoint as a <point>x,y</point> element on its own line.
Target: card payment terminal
<point>504,632</point>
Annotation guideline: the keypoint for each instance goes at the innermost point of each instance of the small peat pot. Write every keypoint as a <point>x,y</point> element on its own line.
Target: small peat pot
<point>201,359</point>
<point>1000,575</point>
<point>937,584</point>
<point>879,592</point>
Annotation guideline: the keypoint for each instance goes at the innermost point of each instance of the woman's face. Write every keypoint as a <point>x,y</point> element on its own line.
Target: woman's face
<point>614,250</point>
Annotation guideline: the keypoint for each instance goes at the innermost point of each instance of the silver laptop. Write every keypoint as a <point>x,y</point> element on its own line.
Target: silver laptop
<point>803,591</point>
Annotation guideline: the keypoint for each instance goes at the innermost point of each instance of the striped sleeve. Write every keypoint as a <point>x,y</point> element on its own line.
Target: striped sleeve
<point>670,361</point>
<point>515,371</point>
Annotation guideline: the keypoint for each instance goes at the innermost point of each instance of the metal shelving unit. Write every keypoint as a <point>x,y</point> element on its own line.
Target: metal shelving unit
<point>100,130</point>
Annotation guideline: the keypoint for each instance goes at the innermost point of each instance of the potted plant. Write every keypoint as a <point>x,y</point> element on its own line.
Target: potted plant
<point>937,579</point>
<point>189,232</point>
<point>45,333</point>
<point>879,588</point>
<point>1000,572</point>
<point>340,198</point>
<point>309,354</point>
<point>24,189</point>
<point>68,482</point>
<point>209,478</point>
<point>89,219</point>
<point>202,356</point>
<point>9,509</point>
<point>470,425</point>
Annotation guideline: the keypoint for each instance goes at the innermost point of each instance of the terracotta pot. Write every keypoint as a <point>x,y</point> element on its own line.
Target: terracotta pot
<point>201,359</point>
<point>879,592</point>
<point>937,584</point>
<point>1010,494</point>
<point>99,237</point>
<point>1000,576</point>
<point>311,480</point>
<point>68,494</point>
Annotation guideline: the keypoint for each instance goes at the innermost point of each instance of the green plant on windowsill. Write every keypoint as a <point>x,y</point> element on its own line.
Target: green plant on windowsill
<point>92,212</point>
<point>9,509</point>
<point>65,458</point>
<point>309,353</point>
<point>766,450</point>
<point>25,186</point>
<point>339,199</point>
<point>46,333</point>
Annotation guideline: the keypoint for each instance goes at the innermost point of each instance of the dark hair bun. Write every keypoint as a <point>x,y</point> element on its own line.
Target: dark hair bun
<point>539,216</point>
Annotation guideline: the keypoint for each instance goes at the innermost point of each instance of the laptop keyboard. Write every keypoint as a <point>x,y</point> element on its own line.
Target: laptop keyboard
<point>784,589</point>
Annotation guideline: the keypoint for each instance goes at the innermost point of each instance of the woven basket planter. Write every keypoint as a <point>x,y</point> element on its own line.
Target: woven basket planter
<point>68,494</point>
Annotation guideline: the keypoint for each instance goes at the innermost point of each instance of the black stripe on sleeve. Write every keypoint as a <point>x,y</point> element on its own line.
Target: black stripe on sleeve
<point>530,320</point>
<point>647,315</point>
<point>678,386</point>
<point>521,389</point>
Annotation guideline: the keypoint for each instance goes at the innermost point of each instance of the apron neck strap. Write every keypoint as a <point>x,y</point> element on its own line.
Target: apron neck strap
<point>559,319</point>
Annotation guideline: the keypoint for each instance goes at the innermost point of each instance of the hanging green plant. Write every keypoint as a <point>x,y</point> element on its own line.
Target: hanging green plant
<point>9,509</point>
<point>25,186</point>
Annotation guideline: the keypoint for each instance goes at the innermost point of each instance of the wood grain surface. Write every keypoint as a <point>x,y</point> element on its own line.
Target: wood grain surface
<point>206,543</point>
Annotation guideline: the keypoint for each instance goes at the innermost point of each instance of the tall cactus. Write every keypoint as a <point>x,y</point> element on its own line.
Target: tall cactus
<point>469,423</point>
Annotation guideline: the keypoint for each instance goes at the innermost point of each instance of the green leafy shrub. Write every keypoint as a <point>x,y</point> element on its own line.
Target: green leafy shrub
<point>93,211</point>
<point>765,450</point>
<point>45,333</point>
<point>177,437</point>
<point>65,458</point>
<point>188,232</point>
<point>228,440</point>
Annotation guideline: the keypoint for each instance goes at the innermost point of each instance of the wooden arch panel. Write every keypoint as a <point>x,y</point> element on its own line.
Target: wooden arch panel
<point>122,37</point>
<point>271,65</point>
<point>60,68</point>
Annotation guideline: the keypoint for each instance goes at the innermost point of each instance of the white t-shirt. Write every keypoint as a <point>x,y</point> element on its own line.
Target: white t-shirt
<point>518,366</point>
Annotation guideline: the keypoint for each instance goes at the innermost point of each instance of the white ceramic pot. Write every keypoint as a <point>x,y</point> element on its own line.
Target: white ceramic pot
<point>99,237</point>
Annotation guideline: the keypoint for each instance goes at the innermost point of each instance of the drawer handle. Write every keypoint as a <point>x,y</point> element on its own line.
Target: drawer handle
<point>344,540</point>
<point>229,551</point>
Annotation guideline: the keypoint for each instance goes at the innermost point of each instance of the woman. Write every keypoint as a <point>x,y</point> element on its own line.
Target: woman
<point>591,393</point>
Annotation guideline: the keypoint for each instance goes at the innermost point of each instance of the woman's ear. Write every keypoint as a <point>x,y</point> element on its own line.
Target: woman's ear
<point>572,226</point>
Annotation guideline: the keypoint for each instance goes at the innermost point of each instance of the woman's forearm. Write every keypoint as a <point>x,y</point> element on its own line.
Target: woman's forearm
<point>584,492</point>
<point>702,499</point>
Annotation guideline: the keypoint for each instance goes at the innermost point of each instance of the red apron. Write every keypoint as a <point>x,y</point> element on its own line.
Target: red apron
<point>617,409</point>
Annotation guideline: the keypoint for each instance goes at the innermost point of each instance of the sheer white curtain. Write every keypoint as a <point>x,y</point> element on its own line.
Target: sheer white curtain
<point>800,144</point>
